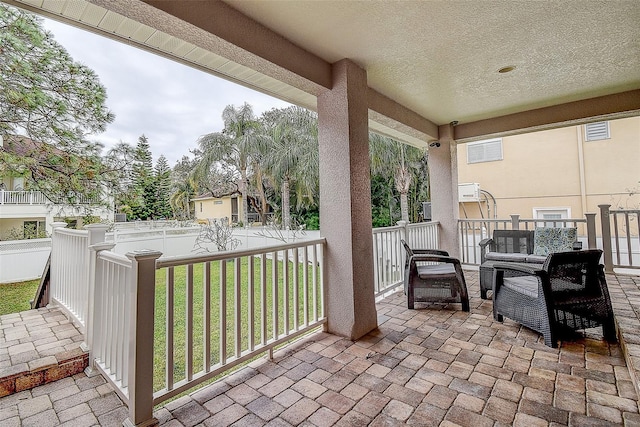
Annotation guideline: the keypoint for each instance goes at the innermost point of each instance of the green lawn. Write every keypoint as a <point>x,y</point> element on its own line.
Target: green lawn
<point>15,297</point>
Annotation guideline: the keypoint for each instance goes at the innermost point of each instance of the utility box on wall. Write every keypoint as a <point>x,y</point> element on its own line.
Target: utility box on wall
<point>469,192</point>
<point>426,211</point>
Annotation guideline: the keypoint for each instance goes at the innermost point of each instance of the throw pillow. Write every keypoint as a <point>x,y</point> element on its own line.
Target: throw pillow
<point>547,240</point>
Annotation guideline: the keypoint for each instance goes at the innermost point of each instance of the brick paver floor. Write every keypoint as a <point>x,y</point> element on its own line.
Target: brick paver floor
<point>433,366</point>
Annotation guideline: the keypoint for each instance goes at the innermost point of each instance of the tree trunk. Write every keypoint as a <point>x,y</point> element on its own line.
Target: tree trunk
<point>243,191</point>
<point>404,206</point>
<point>286,212</point>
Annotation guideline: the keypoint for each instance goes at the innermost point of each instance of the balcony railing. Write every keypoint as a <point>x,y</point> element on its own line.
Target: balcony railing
<point>22,198</point>
<point>39,198</point>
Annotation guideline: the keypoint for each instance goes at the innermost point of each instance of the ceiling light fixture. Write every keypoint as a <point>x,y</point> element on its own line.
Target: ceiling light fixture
<point>507,69</point>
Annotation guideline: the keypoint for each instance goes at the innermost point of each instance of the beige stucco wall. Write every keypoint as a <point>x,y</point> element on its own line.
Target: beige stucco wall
<point>216,207</point>
<point>558,169</point>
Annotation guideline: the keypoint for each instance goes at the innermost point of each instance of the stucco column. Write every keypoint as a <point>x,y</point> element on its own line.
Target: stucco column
<point>443,181</point>
<point>345,202</point>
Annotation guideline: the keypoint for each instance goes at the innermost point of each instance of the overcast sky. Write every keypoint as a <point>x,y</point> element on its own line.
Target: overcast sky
<point>170,103</point>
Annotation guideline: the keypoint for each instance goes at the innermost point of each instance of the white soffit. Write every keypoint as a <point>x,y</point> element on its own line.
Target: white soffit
<point>94,18</point>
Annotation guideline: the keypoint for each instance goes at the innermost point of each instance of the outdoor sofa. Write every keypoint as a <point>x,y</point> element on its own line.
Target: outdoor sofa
<point>567,293</point>
<point>522,247</point>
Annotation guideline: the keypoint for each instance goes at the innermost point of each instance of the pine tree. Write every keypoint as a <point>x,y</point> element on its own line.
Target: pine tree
<point>162,175</point>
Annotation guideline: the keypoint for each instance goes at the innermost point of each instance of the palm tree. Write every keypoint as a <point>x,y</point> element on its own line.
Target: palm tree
<point>235,145</point>
<point>292,157</point>
<point>394,159</point>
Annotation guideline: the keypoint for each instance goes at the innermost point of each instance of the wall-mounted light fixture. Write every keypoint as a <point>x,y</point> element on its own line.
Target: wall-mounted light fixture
<point>434,144</point>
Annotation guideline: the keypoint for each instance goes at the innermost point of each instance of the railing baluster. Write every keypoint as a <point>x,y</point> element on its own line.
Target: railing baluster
<point>305,284</point>
<point>274,294</point>
<point>237,286</point>
<point>206,308</point>
<point>170,304</point>
<point>285,290</point>
<point>223,311</point>
<point>251,302</point>
<point>188,353</point>
<point>263,296</point>
<point>296,302</point>
<point>314,278</point>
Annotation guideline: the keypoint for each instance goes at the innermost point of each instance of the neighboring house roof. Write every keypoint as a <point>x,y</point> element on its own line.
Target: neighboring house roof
<point>210,196</point>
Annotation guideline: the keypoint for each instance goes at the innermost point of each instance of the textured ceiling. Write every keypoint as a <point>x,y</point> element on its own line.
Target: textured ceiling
<point>440,58</point>
<point>428,62</point>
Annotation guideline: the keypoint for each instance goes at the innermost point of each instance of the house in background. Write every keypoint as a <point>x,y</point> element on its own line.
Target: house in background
<point>230,206</point>
<point>24,211</point>
<point>552,174</point>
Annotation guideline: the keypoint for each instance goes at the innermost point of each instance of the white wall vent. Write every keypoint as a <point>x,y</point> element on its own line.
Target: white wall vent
<point>469,192</point>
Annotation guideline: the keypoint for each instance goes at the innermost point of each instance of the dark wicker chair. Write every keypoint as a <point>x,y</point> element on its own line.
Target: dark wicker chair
<point>431,275</point>
<point>568,293</point>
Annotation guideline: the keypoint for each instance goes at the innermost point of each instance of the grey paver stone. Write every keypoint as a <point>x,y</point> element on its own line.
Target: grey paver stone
<point>104,404</point>
<point>42,419</point>
<point>74,412</point>
<point>299,411</point>
<point>191,414</point>
<point>265,407</point>
<point>243,394</point>
<point>33,406</point>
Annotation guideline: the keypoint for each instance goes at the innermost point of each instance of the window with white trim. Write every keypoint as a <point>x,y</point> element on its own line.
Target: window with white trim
<point>596,131</point>
<point>551,216</point>
<point>488,150</point>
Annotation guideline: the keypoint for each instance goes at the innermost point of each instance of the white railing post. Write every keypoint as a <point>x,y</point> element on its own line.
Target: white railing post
<point>95,283</point>
<point>2,196</point>
<point>404,232</point>
<point>56,258</point>
<point>141,332</point>
<point>515,222</point>
<point>591,230</point>
<point>605,221</point>
<point>96,235</point>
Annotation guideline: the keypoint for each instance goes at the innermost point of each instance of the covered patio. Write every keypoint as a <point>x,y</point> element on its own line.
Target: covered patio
<point>434,75</point>
<point>432,366</point>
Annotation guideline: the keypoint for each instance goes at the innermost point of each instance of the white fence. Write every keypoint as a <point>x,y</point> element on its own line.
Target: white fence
<point>22,260</point>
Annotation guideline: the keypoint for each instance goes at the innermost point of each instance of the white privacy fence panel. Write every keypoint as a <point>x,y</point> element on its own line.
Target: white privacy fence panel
<point>22,260</point>
<point>223,309</point>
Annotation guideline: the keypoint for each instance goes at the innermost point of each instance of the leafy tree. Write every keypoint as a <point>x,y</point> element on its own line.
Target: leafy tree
<point>121,161</point>
<point>235,146</point>
<point>394,160</point>
<point>57,103</point>
<point>292,156</point>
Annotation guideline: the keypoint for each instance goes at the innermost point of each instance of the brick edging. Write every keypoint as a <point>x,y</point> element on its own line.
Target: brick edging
<point>68,364</point>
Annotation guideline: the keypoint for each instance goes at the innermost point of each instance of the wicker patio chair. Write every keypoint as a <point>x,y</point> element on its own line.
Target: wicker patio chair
<point>568,293</point>
<point>431,275</point>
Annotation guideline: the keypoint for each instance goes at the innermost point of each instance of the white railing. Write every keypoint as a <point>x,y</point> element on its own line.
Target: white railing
<point>156,327</point>
<point>70,271</point>
<point>238,305</point>
<point>389,255</point>
<point>22,198</point>
<point>110,332</point>
<point>473,231</point>
<point>620,237</point>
